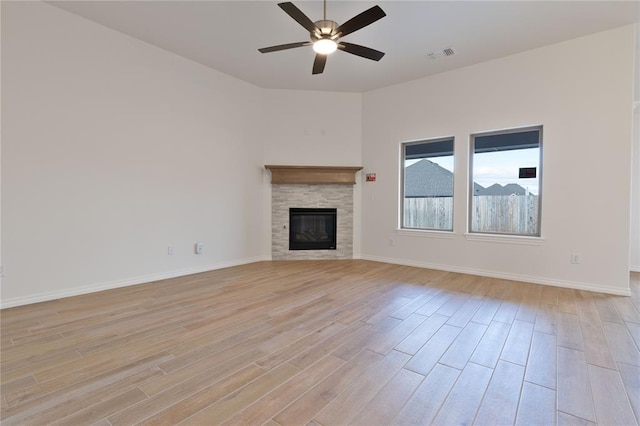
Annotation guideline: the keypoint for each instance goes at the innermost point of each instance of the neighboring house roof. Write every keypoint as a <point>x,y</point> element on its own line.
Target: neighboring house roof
<point>497,189</point>
<point>428,179</point>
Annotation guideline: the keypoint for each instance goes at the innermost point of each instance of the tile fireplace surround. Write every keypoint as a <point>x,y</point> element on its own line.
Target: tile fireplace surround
<point>311,187</point>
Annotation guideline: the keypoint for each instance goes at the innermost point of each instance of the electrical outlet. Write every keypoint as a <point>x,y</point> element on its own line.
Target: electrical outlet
<point>199,248</point>
<point>576,258</point>
<point>1,271</point>
<point>392,242</point>
<point>170,250</point>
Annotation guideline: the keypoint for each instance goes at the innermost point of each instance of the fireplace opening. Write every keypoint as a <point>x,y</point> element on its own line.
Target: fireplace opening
<point>312,229</point>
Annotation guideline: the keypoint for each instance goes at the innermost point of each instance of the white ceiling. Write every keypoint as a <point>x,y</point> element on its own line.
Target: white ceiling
<point>225,35</point>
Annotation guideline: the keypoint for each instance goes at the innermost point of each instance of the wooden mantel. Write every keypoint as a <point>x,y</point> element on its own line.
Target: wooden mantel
<point>313,174</point>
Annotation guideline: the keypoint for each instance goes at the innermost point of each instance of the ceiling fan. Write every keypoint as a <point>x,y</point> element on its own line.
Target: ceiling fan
<point>325,35</point>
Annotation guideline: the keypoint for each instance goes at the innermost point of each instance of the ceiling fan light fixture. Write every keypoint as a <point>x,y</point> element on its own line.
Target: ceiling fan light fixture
<point>325,46</point>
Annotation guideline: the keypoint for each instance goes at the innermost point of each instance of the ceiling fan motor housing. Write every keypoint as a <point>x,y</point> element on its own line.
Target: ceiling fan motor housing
<point>327,30</point>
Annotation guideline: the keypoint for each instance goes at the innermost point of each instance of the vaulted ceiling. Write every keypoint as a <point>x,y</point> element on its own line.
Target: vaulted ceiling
<point>226,35</point>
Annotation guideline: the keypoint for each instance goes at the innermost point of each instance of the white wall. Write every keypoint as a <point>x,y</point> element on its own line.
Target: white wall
<point>1,266</point>
<point>313,128</point>
<point>583,101</point>
<point>635,166</point>
<point>113,149</point>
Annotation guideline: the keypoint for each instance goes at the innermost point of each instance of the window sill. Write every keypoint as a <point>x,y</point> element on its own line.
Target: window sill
<point>505,239</point>
<point>425,233</point>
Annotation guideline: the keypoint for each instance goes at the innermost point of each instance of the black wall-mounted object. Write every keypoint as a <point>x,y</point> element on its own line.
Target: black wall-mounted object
<point>527,173</point>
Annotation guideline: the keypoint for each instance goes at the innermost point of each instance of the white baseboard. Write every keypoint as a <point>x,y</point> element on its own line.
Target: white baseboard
<point>635,268</point>
<point>44,297</point>
<point>502,275</point>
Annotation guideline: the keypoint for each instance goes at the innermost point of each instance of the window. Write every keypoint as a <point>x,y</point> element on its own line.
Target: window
<point>505,182</point>
<point>427,184</point>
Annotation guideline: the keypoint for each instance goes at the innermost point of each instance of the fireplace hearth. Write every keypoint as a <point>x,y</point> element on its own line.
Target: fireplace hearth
<point>312,228</point>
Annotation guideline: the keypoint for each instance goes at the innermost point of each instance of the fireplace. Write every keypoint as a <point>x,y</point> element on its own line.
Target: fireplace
<point>312,229</point>
<point>312,187</point>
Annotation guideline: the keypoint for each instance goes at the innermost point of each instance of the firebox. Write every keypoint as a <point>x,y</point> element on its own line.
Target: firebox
<point>312,229</point>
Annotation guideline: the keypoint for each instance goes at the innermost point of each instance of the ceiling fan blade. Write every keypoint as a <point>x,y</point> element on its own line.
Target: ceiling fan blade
<point>365,52</point>
<point>284,46</point>
<point>302,19</point>
<point>367,17</point>
<point>319,63</point>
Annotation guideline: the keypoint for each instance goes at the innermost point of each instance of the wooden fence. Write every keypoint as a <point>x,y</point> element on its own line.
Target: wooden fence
<point>429,213</point>
<point>509,214</point>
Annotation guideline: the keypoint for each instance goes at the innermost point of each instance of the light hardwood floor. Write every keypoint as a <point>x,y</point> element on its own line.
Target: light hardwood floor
<point>324,343</point>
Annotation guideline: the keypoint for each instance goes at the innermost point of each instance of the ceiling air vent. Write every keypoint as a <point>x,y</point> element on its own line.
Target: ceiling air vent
<point>441,53</point>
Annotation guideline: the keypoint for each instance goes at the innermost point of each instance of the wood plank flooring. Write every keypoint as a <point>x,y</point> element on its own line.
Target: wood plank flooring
<point>324,343</point>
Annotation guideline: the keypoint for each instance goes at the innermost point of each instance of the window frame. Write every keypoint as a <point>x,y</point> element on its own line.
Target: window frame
<point>401,202</point>
<point>470,188</point>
